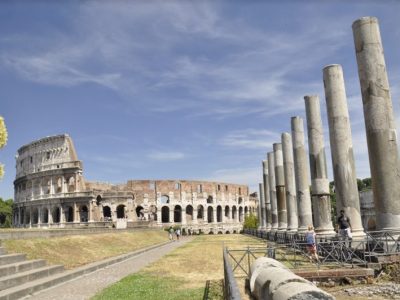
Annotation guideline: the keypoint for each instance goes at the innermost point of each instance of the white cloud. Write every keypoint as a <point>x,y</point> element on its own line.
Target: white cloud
<point>250,139</point>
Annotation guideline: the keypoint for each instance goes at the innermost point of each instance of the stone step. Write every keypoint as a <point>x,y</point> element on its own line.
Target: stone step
<point>27,276</point>
<point>22,266</point>
<point>11,258</point>
<point>28,288</point>
<point>3,251</point>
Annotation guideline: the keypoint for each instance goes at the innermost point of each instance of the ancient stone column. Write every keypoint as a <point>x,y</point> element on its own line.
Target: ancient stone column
<point>379,122</point>
<point>288,167</point>
<point>272,191</point>
<point>267,202</point>
<point>280,187</point>
<point>344,170</point>
<point>301,174</point>
<point>319,173</point>
<point>261,207</point>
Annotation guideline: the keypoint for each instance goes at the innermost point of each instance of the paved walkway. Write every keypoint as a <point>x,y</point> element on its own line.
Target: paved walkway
<point>86,286</point>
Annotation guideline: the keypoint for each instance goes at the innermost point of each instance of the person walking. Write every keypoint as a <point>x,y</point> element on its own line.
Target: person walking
<point>178,234</point>
<point>311,244</point>
<point>171,234</point>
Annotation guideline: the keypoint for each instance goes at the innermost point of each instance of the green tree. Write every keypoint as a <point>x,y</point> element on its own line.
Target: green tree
<point>250,222</point>
<point>360,185</point>
<point>3,141</point>
<point>367,183</point>
<point>6,213</point>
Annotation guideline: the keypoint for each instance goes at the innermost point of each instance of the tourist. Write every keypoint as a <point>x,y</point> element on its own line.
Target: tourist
<point>311,245</point>
<point>343,226</point>
<point>171,233</point>
<point>178,233</point>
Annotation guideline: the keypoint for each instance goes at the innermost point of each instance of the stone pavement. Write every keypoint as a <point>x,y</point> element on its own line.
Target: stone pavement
<point>86,286</point>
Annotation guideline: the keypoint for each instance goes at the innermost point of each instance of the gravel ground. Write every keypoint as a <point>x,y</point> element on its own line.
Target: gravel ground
<point>84,287</point>
<point>372,291</point>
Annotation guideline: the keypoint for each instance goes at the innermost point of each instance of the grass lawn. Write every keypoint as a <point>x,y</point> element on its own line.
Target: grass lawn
<point>77,250</point>
<point>183,273</point>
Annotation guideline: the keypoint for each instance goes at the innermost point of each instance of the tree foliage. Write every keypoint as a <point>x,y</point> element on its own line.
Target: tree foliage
<point>6,213</point>
<point>3,141</point>
<point>250,222</point>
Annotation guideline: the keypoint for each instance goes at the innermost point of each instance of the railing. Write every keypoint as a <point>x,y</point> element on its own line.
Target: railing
<point>231,290</point>
<point>331,250</point>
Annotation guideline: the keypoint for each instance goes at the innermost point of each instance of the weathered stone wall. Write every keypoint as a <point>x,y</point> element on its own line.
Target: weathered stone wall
<point>50,191</point>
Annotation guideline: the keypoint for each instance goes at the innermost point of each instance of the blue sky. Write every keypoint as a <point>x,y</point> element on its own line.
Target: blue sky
<point>177,90</point>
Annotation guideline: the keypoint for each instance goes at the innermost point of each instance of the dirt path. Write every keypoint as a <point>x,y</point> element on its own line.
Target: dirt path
<point>86,286</point>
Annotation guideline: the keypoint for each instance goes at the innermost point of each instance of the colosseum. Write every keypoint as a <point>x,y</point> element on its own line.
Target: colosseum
<point>50,191</point>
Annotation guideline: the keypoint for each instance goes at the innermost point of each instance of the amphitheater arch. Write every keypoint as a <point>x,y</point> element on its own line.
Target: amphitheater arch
<point>240,201</point>
<point>107,213</point>
<point>165,214</point>
<point>234,213</point>
<point>98,200</point>
<point>240,214</point>
<point>140,212</point>
<point>56,214</point>
<point>120,211</point>
<point>84,213</point>
<point>27,216</point>
<point>58,185</point>
<point>189,213</point>
<point>35,215</point>
<point>219,214</point>
<point>45,215</point>
<point>71,184</point>
<point>210,200</point>
<point>246,211</point>
<point>177,214</point>
<point>227,216</point>
<point>200,212</point>
<point>69,214</point>
<point>210,213</point>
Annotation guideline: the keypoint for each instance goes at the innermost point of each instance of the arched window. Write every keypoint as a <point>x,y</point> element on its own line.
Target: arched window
<point>210,215</point>
<point>84,213</point>
<point>98,200</point>
<point>56,215</point>
<point>106,213</point>
<point>178,214</point>
<point>140,213</point>
<point>165,214</point>
<point>121,211</point>
<point>164,199</point>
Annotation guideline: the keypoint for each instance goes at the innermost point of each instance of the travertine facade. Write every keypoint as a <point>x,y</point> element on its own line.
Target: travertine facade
<point>50,191</point>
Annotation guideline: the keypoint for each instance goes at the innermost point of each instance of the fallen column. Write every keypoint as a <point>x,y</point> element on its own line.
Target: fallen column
<point>280,187</point>
<point>344,170</point>
<point>288,166</point>
<point>319,174</point>
<point>270,279</point>
<point>301,175</point>
<point>379,122</point>
<point>272,191</point>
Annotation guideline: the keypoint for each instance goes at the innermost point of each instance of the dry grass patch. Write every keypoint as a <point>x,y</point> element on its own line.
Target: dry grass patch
<point>199,260</point>
<point>77,250</point>
<point>183,273</point>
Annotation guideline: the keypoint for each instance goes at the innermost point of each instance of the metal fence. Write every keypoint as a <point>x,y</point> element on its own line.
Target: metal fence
<point>231,289</point>
<point>357,251</point>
